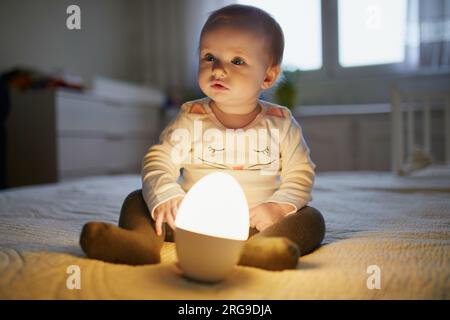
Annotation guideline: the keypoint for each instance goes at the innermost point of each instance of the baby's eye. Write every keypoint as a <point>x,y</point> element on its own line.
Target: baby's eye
<point>209,57</point>
<point>237,61</point>
<point>265,151</point>
<point>213,150</point>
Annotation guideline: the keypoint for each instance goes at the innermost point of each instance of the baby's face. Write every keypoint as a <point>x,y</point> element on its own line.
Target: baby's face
<point>233,65</point>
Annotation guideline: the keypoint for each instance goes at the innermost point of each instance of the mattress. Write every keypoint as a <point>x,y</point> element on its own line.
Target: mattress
<point>396,229</point>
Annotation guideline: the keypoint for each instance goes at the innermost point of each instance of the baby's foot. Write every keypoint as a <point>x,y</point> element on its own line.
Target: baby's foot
<point>106,242</point>
<point>271,253</point>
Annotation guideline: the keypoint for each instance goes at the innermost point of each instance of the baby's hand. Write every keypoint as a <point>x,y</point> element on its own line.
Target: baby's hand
<point>167,211</point>
<point>268,213</point>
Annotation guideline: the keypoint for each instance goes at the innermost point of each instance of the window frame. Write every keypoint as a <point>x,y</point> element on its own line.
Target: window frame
<point>331,69</point>
<point>376,69</point>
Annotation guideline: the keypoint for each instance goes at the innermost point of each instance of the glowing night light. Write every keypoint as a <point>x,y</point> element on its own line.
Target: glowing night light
<point>212,225</point>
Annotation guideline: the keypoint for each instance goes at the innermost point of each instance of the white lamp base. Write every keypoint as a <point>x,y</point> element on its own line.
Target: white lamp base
<point>206,258</point>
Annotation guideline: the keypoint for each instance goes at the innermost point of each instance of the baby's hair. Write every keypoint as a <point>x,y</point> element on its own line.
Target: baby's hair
<point>253,19</point>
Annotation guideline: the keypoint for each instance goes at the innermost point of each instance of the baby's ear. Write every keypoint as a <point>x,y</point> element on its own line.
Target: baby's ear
<point>272,74</point>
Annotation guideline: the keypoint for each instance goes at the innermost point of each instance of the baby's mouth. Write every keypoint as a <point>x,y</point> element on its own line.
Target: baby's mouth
<point>217,85</point>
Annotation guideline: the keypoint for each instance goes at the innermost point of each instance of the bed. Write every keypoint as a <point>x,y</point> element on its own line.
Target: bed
<point>400,225</point>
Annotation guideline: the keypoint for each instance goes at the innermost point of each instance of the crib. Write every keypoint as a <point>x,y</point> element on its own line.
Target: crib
<point>411,129</point>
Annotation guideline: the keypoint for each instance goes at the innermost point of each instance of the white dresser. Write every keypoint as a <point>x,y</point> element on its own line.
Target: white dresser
<point>54,135</point>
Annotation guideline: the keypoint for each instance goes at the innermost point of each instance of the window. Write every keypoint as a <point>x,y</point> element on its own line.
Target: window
<point>302,33</point>
<point>371,32</point>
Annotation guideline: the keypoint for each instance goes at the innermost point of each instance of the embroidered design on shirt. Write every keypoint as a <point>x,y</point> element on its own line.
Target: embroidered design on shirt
<point>197,109</point>
<point>210,158</point>
<point>276,112</point>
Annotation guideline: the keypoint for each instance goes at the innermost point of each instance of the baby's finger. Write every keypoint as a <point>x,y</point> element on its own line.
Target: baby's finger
<point>259,226</point>
<point>174,212</point>
<point>170,221</point>
<point>158,224</point>
<point>262,226</point>
<point>253,221</point>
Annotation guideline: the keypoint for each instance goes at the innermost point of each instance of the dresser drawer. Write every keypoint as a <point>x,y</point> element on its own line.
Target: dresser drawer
<point>75,134</point>
<point>100,155</point>
<point>94,116</point>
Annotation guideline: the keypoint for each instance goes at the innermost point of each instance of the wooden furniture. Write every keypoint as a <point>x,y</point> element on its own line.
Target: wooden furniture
<point>54,135</point>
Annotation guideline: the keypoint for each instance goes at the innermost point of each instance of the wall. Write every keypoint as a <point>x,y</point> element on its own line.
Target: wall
<point>34,33</point>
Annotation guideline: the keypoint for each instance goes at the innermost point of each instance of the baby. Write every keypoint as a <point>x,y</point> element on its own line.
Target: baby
<point>240,54</point>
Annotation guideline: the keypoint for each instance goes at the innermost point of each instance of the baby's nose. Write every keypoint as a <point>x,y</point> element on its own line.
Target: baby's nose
<point>218,74</point>
<point>218,71</point>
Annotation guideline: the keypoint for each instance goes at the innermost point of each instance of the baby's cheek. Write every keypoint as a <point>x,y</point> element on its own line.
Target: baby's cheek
<point>202,80</point>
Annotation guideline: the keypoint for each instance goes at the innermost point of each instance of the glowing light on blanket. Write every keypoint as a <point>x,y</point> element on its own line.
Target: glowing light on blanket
<point>212,224</point>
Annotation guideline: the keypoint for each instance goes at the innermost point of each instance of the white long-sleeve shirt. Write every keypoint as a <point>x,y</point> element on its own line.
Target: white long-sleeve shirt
<point>269,157</point>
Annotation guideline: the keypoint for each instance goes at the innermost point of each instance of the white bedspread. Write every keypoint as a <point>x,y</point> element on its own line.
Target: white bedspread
<point>401,225</point>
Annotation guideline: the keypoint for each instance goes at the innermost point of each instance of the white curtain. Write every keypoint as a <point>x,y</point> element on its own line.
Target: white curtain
<point>170,32</point>
<point>428,34</point>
